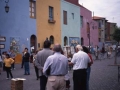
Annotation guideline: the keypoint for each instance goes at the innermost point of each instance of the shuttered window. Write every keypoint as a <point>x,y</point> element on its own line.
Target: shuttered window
<point>51,13</point>
<point>32,9</point>
<point>65,17</point>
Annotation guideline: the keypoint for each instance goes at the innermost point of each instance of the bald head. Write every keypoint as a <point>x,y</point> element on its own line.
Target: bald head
<point>57,48</point>
<point>79,47</point>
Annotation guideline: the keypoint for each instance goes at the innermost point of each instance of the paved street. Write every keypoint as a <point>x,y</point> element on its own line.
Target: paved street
<point>103,77</point>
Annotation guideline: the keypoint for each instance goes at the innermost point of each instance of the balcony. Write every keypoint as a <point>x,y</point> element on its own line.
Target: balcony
<point>51,21</point>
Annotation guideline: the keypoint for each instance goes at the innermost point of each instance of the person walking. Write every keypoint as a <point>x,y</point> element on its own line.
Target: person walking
<point>96,51</point>
<point>3,57</point>
<point>80,63</point>
<point>12,55</point>
<point>56,67</point>
<point>36,69</point>
<point>40,61</point>
<point>26,57</point>
<point>22,64</point>
<point>86,50</point>
<point>8,62</point>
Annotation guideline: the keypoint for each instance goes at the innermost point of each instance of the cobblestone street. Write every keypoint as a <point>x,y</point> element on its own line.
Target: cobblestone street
<point>103,77</point>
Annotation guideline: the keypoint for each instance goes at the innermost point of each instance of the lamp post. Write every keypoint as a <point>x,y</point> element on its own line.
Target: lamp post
<point>7,7</point>
<point>88,31</point>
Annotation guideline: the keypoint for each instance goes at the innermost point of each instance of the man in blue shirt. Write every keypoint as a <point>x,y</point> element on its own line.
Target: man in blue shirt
<point>58,68</point>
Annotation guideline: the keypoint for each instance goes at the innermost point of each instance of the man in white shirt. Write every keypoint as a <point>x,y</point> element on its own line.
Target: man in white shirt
<point>80,63</point>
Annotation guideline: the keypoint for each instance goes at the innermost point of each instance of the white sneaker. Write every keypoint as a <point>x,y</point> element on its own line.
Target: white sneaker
<point>12,78</point>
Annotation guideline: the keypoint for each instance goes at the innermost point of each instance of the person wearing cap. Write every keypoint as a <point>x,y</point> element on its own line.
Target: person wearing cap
<point>57,65</point>
<point>80,63</point>
<point>40,61</point>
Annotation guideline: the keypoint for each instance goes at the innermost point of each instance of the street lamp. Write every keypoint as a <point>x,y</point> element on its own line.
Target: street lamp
<point>7,7</point>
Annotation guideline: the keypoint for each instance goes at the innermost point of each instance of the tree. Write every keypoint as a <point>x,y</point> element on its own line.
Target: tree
<point>116,37</point>
<point>116,34</point>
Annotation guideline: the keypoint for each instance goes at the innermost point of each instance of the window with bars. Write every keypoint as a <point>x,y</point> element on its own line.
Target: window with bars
<point>65,17</point>
<point>32,9</point>
<point>51,17</point>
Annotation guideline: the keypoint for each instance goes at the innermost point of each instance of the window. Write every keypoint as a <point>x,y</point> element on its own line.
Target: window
<point>65,17</point>
<point>99,25</point>
<point>73,15</point>
<point>81,19</point>
<point>65,41</point>
<point>51,13</point>
<point>32,9</point>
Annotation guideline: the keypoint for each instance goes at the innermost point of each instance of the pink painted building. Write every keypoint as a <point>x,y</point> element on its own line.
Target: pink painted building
<point>88,25</point>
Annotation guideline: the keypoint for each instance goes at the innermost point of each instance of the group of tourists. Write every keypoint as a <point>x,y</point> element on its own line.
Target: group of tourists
<point>7,60</point>
<point>102,51</point>
<point>53,67</point>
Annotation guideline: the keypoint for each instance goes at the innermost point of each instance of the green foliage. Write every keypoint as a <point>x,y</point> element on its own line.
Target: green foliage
<point>116,34</point>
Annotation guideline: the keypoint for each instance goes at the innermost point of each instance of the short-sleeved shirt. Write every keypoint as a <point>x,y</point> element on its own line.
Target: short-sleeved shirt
<point>80,60</point>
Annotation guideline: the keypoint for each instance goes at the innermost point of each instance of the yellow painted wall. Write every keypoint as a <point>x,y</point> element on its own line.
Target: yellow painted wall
<point>45,29</point>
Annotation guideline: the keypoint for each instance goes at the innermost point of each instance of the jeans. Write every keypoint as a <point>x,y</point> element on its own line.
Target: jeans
<point>26,68</point>
<point>88,77</point>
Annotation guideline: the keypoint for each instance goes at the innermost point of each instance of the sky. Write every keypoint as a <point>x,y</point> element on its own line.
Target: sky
<point>110,9</point>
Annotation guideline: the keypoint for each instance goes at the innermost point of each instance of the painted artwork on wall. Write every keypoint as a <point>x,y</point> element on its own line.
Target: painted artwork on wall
<point>15,44</point>
<point>73,41</point>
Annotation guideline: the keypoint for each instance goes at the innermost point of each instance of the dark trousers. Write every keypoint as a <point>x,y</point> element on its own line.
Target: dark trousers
<point>8,70</point>
<point>79,79</point>
<point>43,82</point>
<point>37,72</point>
<point>3,66</point>
<point>22,63</point>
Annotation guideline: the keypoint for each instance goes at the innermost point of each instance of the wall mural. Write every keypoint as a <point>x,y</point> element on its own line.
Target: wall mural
<point>73,41</point>
<point>15,44</point>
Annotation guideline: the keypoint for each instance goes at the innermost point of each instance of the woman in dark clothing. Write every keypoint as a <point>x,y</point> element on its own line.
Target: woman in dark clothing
<point>85,49</point>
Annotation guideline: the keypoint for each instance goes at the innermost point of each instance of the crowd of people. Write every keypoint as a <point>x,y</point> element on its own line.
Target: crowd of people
<point>52,66</point>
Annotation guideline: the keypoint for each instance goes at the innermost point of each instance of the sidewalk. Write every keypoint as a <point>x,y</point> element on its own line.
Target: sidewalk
<point>103,77</point>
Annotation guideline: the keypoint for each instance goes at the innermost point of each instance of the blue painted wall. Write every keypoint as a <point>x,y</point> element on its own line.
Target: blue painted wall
<point>16,23</point>
<point>72,29</point>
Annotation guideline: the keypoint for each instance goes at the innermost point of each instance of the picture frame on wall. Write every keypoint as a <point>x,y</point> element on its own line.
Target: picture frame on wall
<point>2,46</point>
<point>2,39</point>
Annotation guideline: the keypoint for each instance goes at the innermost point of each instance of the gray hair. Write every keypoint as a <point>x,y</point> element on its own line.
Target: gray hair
<point>79,47</point>
<point>57,48</point>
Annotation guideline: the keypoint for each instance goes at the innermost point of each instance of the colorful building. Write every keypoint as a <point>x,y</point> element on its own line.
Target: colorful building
<point>70,23</point>
<point>89,28</point>
<point>18,25</point>
<point>48,21</point>
<point>101,26</point>
<point>110,30</point>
